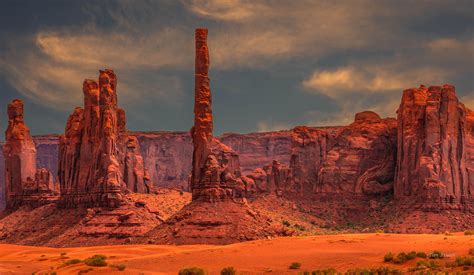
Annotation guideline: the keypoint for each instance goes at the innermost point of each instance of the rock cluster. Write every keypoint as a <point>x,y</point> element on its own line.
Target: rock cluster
<point>99,160</point>
<point>435,156</point>
<point>24,184</point>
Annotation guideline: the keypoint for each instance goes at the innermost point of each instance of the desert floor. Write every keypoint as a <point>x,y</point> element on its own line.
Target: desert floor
<point>341,252</point>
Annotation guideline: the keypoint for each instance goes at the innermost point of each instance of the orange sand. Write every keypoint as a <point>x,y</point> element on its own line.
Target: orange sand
<point>337,251</point>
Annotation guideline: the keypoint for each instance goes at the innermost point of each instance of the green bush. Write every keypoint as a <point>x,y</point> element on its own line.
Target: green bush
<point>228,271</point>
<point>401,258</point>
<point>295,265</point>
<point>192,271</point>
<point>286,223</point>
<point>72,261</point>
<point>421,255</point>
<point>388,257</point>
<point>96,260</point>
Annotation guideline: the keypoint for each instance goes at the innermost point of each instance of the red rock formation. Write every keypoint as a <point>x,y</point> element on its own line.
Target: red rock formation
<point>434,163</point>
<point>361,160</point>
<point>24,183</point>
<point>99,161</point>
<point>215,165</point>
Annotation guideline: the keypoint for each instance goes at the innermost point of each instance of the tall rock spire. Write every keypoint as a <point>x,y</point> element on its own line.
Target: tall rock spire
<point>24,183</point>
<point>215,165</point>
<point>99,162</point>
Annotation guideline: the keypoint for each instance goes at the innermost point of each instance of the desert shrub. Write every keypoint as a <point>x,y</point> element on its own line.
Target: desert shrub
<point>411,255</point>
<point>328,271</point>
<point>471,251</point>
<point>119,267</point>
<point>286,223</point>
<point>72,261</point>
<point>388,257</point>
<point>469,232</point>
<point>464,261</point>
<point>300,227</point>
<point>228,271</point>
<point>373,271</point>
<point>295,265</point>
<point>421,255</point>
<point>96,260</point>
<point>436,255</point>
<point>401,258</point>
<point>192,271</point>
<point>434,265</point>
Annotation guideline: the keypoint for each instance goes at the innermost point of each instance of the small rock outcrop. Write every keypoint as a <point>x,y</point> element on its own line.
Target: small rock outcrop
<point>99,160</point>
<point>435,156</point>
<point>25,184</point>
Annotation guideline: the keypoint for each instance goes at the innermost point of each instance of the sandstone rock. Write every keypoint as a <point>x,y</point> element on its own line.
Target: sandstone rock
<point>24,183</point>
<point>215,165</point>
<point>434,162</point>
<point>99,160</point>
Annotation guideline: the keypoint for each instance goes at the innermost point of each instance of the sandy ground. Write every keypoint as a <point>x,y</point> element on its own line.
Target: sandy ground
<point>341,252</point>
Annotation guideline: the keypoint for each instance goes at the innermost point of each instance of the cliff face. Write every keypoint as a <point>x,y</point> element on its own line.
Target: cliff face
<point>435,149</point>
<point>98,160</point>
<point>354,160</point>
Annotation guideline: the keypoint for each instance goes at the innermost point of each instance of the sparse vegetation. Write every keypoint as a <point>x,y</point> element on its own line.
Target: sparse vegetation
<point>286,223</point>
<point>82,271</point>
<point>469,232</point>
<point>401,258</point>
<point>388,257</point>
<point>295,265</point>
<point>436,255</point>
<point>192,271</point>
<point>328,271</point>
<point>72,261</point>
<point>228,271</point>
<point>96,260</point>
<point>421,255</point>
<point>119,267</point>
<point>375,271</point>
<point>471,251</point>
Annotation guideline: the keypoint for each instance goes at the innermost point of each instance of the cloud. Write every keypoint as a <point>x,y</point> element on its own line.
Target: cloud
<point>226,10</point>
<point>366,79</point>
<point>51,73</point>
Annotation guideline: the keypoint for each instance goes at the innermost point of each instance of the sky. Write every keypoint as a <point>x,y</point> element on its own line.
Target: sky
<point>274,64</point>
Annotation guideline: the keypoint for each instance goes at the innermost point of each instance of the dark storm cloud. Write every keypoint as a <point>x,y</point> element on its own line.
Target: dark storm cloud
<point>274,64</point>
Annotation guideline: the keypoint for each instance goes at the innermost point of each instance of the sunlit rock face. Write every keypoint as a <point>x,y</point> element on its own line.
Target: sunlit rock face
<point>435,148</point>
<point>215,166</point>
<point>24,184</point>
<point>99,160</point>
<point>353,160</point>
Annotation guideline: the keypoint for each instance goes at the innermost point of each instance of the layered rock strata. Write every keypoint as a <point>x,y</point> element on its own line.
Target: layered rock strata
<point>99,161</point>
<point>435,164</point>
<point>24,183</point>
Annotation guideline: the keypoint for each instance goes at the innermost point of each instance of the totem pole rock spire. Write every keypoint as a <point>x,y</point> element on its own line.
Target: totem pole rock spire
<point>215,166</point>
